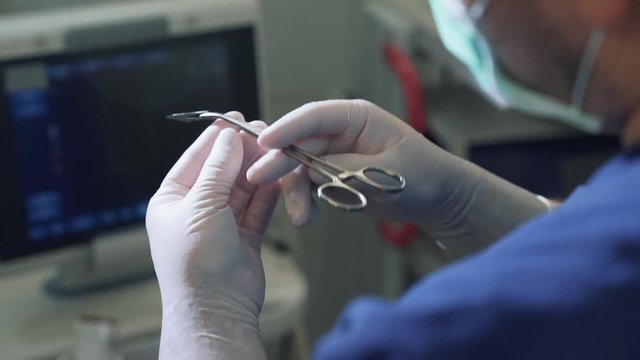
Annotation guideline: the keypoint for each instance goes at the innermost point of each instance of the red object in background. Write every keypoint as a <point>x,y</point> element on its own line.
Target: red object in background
<point>401,235</point>
<point>402,65</point>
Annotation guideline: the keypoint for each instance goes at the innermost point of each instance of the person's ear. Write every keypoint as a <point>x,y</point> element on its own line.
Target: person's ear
<point>608,14</point>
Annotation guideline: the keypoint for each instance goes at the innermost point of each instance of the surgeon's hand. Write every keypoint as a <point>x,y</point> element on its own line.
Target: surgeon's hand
<point>354,134</point>
<point>205,224</point>
<point>461,205</point>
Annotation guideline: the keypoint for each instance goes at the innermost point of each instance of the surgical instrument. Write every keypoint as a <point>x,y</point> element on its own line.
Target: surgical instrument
<point>337,190</point>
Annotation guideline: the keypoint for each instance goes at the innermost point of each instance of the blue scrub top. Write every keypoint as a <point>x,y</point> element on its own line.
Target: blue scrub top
<point>563,286</point>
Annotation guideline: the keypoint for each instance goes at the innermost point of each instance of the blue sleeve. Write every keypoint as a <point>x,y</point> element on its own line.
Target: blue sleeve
<point>565,286</point>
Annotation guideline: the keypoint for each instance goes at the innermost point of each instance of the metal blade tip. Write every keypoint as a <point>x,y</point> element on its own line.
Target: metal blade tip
<point>185,116</point>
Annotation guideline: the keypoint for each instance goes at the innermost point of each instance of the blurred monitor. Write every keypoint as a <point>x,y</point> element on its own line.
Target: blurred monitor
<point>83,139</point>
<point>551,167</point>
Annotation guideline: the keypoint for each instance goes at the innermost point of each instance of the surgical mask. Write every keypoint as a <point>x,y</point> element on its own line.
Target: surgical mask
<point>458,29</point>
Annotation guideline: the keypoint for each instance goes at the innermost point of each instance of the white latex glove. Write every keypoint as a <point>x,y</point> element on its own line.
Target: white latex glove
<point>205,224</point>
<point>459,204</point>
<point>354,134</point>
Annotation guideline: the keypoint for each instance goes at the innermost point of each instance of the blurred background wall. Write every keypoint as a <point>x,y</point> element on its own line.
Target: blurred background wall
<point>310,49</point>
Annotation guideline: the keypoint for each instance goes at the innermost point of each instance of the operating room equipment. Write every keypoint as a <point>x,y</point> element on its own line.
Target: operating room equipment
<point>336,192</point>
<point>81,89</point>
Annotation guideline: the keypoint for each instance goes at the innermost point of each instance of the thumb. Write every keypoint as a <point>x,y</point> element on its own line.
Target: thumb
<point>218,175</point>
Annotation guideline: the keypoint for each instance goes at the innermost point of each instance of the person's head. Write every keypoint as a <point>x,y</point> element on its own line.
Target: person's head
<point>542,44</point>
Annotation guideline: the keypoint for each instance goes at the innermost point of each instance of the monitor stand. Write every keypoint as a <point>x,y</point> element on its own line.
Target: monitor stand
<point>109,260</point>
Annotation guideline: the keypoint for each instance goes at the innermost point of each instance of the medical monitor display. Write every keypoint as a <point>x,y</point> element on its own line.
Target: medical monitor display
<point>83,139</point>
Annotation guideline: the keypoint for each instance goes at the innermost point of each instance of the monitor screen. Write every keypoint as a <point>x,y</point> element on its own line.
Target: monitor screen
<point>83,139</point>
<point>551,167</point>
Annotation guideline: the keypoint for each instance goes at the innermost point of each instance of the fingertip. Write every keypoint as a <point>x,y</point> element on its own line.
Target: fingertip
<point>309,216</point>
<point>302,217</point>
<point>258,127</point>
<point>209,131</point>
<point>229,132</point>
<point>296,209</point>
<point>251,175</point>
<point>259,124</point>
<point>255,173</point>
<point>230,137</point>
<point>265,139</point>
<point>297,219</point>
<point>297,196</point>
<point>236,115</point>
<point>268,168</point>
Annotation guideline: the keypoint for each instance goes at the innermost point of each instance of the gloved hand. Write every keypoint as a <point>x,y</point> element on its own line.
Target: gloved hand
<point>204,225</point>
<point>353,134</point>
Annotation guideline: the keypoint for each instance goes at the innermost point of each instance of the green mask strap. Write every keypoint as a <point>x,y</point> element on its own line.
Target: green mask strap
<point>585,70</point>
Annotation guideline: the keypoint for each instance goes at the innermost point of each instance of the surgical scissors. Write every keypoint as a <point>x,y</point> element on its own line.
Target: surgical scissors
<point>336,192</point>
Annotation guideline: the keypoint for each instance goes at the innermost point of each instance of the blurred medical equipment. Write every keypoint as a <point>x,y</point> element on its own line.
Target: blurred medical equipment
<point>94,340</point>
<point>125,321</point>
<point>83,94</point>
<point>84,91</point>
<point>336,192</point>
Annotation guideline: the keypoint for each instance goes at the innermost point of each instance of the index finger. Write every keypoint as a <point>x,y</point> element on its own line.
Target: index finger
<point>323,118</point>
<point>186,170</point>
